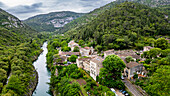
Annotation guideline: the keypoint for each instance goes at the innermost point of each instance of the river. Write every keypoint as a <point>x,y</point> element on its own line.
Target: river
<point>44,74</point>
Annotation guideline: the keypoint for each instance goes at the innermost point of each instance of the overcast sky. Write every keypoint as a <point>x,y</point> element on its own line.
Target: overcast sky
<point>24,9</point>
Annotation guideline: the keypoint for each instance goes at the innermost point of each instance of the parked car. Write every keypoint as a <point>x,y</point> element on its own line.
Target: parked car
<point>68,63</point>
<point>121,90</point>
<point>122,78</point>
<point>124,92</point>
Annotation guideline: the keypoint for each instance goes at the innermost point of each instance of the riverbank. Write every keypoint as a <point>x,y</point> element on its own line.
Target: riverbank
<point>34,83</point>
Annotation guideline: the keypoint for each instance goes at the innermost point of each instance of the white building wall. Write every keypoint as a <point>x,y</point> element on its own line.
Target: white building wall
<point>93,71</point>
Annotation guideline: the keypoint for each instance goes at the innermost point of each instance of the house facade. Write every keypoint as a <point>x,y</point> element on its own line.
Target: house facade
<point>86,51</point>
<point>72,44</point>
<point>131,68</point>
<point>109,52</point>
<point>95,65</point>
<point>84,63</point>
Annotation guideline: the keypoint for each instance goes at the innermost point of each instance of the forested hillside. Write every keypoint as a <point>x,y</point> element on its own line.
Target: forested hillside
<point>124,26</point>
<point>52,21</point>
<point>13,30</point>
<point>86,18</point>
<point>162,4</point>
<point>19,47</point>
<point>151,3</point>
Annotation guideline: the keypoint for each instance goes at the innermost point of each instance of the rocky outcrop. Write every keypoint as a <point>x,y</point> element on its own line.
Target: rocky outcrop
<point>33,84</point>
<point>52,21</point>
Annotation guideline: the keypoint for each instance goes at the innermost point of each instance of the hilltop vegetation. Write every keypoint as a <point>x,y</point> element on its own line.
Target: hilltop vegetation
<point>162,4</point>
<point>52,21</point>
<point>14,31</point>
<point>151,3</point>
<point>86,18</point>
<point>125,26</point>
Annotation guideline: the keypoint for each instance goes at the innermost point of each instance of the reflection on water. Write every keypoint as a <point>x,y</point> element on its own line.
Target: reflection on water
<point>43,73</point>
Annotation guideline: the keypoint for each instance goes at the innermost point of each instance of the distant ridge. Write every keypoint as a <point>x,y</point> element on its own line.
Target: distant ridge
<point>51,21</point>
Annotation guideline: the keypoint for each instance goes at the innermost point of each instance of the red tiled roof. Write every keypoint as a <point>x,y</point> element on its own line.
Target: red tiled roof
<point>87,48</point>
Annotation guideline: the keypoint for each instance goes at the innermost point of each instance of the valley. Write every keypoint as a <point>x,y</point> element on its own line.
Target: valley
<point>119,49</point>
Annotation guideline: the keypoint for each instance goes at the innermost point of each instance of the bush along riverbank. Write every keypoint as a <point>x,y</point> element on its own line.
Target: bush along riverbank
<point>23,78</point>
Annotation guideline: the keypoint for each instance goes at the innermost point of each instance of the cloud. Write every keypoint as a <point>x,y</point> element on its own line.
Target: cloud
<point>21,9</point>
<point>35,7</point>
<point>2,5</point>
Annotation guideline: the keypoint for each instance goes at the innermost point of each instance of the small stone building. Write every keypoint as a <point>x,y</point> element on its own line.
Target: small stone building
<point>131,68</point>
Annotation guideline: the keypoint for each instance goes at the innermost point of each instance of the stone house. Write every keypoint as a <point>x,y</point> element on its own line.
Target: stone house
<point>108,52</point>
<point>147,48</point>
<point>60,60</point>
<point>86,51</point>
<point>95,65</point>
<point>124,53</point>
<point>131,68</point>
<point>84,63</point>
<point>68,54</point>
<point>72,44</point>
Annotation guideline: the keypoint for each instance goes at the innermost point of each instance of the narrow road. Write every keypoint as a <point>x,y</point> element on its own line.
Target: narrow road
<point>131,88</point>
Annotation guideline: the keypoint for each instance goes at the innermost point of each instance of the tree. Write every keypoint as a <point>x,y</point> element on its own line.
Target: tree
<point>73,58</point>
<point>139,46</point>
<point>158,84</point>
<point>129,58</point>
<point>81,42</point>
<point>165,52</point>
<point>16,85</point>
<point>66,49</point>
<point>110,93</point>
<point>135,75</point>
<point>114,65</point>
<point>111,73</point>
<point>76,49</point>
<point>99,48</point>
<point>161,43</point>
<point>64,43</point>
<point>56,44</point>
<point>153,53</point>
<point>3,75</point>
<point>165,61</point>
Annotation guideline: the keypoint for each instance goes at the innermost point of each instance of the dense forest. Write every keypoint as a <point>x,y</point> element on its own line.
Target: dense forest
<point>93,14</point>
<point>19,47</point>
<point>128,25</point>
<point>151,3</point>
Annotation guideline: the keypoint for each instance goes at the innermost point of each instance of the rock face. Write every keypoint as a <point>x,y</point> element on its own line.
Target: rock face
<point>52,21</point>
<point>8,20</point>
<point>32,85</point>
